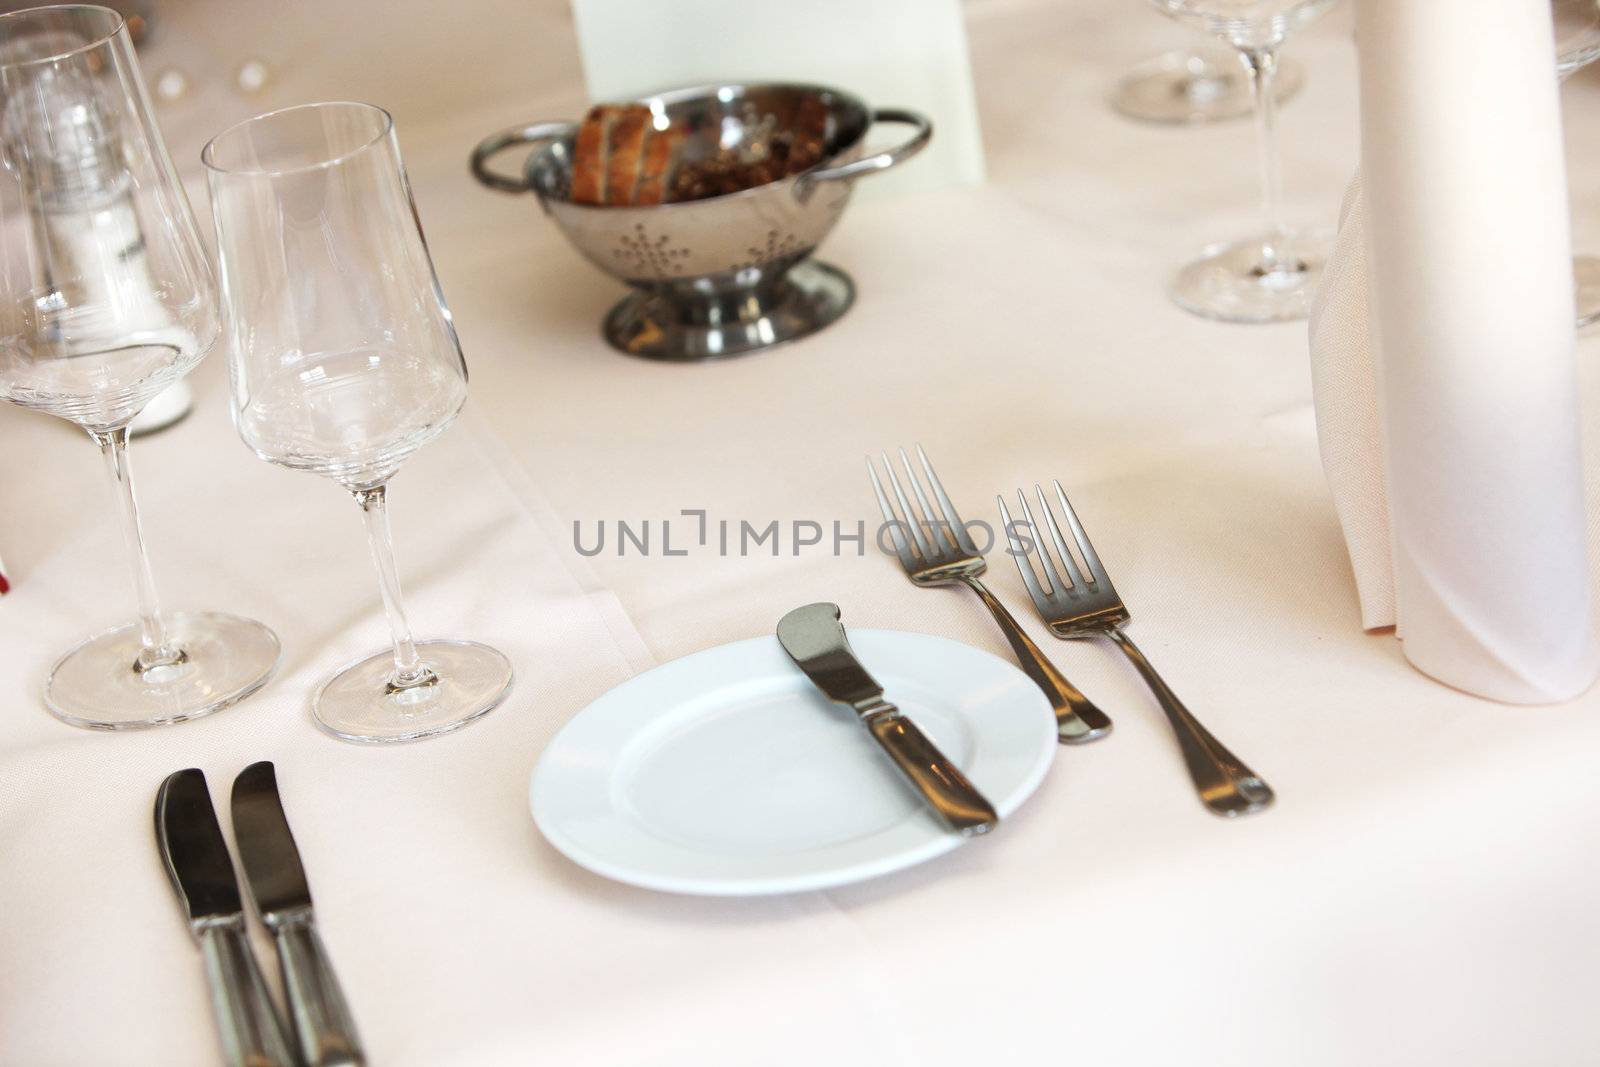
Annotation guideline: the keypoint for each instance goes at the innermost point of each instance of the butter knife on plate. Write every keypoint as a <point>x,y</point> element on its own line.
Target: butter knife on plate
<point>197,861</point>
<point>815,640</point>
<point>323,1025</point>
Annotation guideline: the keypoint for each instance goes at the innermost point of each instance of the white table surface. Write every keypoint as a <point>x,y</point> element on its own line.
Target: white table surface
<point>1423,892</point>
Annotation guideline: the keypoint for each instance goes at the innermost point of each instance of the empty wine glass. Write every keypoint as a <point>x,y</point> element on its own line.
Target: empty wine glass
<point>1271,277</point>
<point>1196,85</point>
<point>344,362</point>
<point>106,299</point>
<point>1577,32</point>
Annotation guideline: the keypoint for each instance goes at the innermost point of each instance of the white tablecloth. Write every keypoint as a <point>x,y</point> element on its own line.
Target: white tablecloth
<point>1423,892</point>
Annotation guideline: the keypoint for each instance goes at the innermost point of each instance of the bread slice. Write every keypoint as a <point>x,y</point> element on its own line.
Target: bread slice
<point>626,137</point>
<point>589,156</point>
<point>659,151</point>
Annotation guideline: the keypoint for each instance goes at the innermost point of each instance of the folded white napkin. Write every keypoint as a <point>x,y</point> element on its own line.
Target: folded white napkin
<point>1442,354</point>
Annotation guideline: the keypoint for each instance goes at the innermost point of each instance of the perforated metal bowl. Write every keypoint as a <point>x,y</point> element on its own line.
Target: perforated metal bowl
<point>728,274</point>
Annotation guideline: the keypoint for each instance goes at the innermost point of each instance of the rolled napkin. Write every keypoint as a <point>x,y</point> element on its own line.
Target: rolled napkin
<point>1442,354</point>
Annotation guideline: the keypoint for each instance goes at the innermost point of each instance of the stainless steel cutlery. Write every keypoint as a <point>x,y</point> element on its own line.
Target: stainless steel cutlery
<point>935,547</point>
<point>1076,605</point>
<point>197,860</point>
<point>321,1019</point>
<point>940,551</point>
<point>816,641</point>
<point>201,870</point>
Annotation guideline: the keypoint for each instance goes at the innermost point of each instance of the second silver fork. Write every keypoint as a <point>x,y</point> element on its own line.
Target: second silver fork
<point>1084,606</point>
<point>941,552</point>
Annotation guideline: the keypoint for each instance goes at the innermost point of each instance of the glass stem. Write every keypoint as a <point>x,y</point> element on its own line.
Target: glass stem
<point>409,670</point>
<point>1262,63</point>
<point>155,650</point>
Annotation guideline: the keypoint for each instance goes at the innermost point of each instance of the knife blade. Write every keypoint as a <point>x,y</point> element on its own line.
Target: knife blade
<point>816,641</point>
<point>323,1025</point>
<point>197,862</point>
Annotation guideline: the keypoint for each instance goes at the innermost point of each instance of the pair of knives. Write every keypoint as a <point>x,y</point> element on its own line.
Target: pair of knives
<point>201,869</point>
<point>815,640</point>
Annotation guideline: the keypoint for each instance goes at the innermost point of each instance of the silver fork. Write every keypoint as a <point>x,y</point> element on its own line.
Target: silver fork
<point>1088,607</point>
<point>942,553</point>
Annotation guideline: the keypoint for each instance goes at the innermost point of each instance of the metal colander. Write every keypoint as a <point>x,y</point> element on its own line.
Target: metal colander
<point>726,274</point>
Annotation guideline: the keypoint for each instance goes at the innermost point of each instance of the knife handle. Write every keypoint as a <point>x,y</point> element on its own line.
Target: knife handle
<point>322,1020</point>
<point>251,1033</point>
<point>946,789</point>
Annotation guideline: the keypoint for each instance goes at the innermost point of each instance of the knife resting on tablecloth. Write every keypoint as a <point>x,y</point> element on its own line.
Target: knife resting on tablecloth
<point>323,1025</point>
<point>197,861</point>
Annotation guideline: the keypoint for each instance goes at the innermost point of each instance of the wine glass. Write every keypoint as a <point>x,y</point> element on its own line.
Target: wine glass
<point>1196,85</point>
<point>344,362</point>
<point>1271,277</point>
<point>1577,33</point>
<point>106,299</point>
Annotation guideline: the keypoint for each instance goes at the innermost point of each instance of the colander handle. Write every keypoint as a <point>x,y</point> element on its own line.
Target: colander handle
<point>881,160</point>
<point>495,143</point>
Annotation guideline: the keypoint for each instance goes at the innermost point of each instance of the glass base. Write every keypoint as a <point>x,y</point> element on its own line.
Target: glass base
<point>1196,85</point>
<point>98,685</point>
<point>1229,284</point>
<point>1586,288</point>
<point>357,704</point>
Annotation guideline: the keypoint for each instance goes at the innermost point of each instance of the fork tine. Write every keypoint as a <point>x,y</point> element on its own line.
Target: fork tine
<point>937,532</point>
<point>1019,554</point>
<point>901,548</point>
<point>963,539</point>
<point>1061,544</point>
<point>1057,585</point>
<point>912,518</point>
<point>1090,556</point>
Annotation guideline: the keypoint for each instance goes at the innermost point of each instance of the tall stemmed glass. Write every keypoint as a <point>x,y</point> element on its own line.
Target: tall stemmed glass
<point>106,299</point>
<point>344,362</point>
<point>1271,277</point>
<point>1577,32</point>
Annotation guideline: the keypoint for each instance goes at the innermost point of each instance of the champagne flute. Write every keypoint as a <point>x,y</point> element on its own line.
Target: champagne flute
<point>1269,278</point>
<point>1196,85</point>
<point>1577,33</point>
<point>107,299</point>
<point>344,362</point>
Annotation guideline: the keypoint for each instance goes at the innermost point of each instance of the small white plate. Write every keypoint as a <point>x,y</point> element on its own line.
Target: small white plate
<point>727,773</point>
